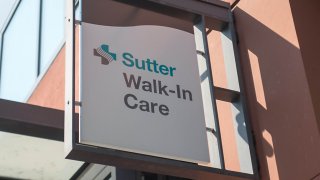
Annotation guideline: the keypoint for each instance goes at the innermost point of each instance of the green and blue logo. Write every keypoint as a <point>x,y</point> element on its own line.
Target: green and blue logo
<point>105,54</point>
<point>148,64</point>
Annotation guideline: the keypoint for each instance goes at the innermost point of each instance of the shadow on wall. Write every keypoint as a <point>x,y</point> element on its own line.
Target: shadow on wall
<point>279,102</point>
<point>306,19</point>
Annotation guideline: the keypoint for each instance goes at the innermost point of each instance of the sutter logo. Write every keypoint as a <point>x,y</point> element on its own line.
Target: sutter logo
<point>129,60</point>
<point>106,56</point>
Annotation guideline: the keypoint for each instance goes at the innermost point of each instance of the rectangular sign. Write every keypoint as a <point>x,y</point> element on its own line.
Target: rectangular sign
<point>140,91</point>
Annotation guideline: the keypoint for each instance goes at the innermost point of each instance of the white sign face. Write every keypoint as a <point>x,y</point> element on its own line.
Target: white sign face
<point>140,91</point>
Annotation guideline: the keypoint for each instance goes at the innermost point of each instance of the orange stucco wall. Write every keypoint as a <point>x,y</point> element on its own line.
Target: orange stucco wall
<point>279,100</point>
<point>50,91</point>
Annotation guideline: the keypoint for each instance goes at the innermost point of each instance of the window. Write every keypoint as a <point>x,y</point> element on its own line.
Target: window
<point>31,41</point>
<point>20,52</point>
<point>52,31</point>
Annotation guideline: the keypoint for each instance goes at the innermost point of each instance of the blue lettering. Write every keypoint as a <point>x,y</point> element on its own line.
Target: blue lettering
<point>128,59</point>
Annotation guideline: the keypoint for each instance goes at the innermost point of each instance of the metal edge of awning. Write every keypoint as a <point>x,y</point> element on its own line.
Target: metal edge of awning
<point>31,120</point>
<point>211,8</point>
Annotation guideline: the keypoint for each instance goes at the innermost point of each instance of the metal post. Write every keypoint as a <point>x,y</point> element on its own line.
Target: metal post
<point>69,136</point>
<point>248,161</point>
<point>211,113</point>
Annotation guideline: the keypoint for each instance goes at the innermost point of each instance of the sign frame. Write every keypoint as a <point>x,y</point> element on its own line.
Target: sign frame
<point>116,99</point>
<point>199,12</point>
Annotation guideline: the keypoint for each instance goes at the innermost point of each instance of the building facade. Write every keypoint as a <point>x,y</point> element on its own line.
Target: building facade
<point>278,54</point>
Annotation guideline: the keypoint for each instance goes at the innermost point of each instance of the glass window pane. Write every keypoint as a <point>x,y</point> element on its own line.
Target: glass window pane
<point>78,11</point>
<point>20,52</point>
<point>52,32</point>
<point>6,7</point>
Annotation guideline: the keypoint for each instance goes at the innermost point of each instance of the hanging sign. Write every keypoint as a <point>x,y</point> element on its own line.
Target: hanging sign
<point>140,91</point>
